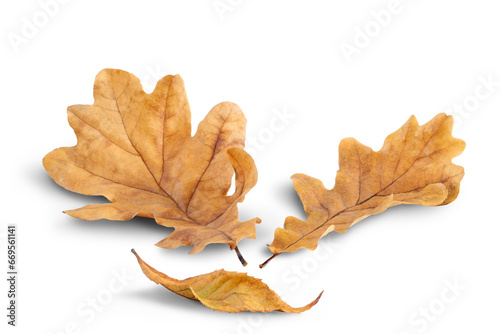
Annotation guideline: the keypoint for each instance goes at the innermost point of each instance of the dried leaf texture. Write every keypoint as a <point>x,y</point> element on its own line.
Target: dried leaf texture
<point>136,150</point>
<point>413,167</point>
<point>225,291</point>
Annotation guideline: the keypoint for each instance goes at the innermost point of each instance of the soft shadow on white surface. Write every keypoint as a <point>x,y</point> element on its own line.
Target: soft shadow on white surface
<point>158,296</point>
<point>287,193</point>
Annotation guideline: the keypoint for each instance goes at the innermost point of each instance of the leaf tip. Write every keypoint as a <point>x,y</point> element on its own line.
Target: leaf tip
<point>314,302</point>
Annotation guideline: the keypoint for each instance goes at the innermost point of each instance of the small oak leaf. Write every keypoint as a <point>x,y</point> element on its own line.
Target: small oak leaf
<point>413,167</point>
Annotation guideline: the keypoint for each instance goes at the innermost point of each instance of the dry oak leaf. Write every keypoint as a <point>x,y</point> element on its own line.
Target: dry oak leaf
<point>413,167</point>
<point>226,291</point>
<point>136,150</point>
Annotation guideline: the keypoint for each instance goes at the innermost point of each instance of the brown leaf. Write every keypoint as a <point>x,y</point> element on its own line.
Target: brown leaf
<point>413,167</point>
<point>136,150</point>
<point>226,291</point>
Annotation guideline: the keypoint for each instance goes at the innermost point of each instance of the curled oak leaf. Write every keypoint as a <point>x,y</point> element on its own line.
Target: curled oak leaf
<point>413,167</point>
<point>136,150</point>
<point>225,291</point>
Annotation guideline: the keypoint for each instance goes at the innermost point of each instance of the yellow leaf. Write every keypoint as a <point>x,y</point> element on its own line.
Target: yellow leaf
<point>136,150</point>
<point>226,291</point>
<point>413,167</point>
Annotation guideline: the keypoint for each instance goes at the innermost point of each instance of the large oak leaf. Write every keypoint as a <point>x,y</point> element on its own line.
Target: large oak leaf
<point>226,291</point>
<point>136,150</point>
<point>413,167</point>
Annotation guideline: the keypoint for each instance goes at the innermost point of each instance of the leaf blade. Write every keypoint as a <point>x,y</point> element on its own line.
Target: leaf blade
<point>413,167</point>
<point>136,150</point>
<point>225,291</point>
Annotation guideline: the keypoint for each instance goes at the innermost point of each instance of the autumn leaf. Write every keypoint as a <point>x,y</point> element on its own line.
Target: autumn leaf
<point>413,167</point>
<point>226,291</point>
<point>136,150</point>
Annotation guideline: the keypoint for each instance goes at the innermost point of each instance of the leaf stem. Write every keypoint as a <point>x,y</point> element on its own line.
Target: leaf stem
<point>240,257</point>
<point>267,261</point>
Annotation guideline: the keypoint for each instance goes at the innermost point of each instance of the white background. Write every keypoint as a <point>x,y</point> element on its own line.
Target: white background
<point>432,57</point>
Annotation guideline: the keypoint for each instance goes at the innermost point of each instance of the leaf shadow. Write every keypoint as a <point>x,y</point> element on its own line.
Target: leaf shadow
<point>287,193</point>
<point>161,297</point>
